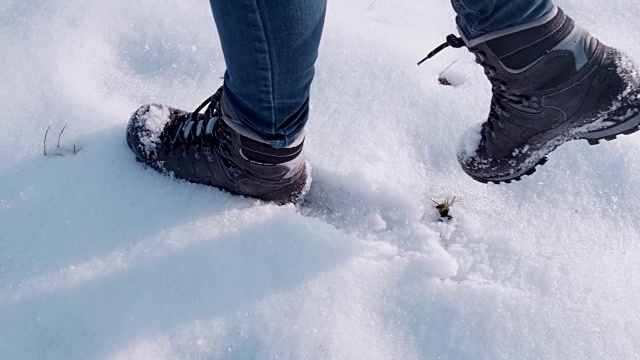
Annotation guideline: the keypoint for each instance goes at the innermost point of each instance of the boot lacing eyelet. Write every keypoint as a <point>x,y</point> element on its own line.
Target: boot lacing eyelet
<point>502,94</point>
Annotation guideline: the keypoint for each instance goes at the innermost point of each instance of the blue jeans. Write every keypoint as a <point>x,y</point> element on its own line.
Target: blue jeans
<point>270,48</point>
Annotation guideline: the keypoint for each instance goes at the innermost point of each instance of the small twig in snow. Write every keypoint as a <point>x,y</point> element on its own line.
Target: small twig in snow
<point>59,151</point>
<point>444,208</point>
<point>441,78</point>
<point>45,140</point>
<point>59,136</point>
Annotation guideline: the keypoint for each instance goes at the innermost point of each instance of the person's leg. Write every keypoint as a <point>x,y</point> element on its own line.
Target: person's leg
<point>479,17</point>
<point>270,47</point>
<point>249,139</point>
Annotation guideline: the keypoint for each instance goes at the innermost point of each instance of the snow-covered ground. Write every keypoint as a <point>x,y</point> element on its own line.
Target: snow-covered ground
<point>103,259</point>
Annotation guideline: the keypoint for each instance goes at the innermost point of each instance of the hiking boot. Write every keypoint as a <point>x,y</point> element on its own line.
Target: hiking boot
<point>552,82</point>
<point>202,148</point>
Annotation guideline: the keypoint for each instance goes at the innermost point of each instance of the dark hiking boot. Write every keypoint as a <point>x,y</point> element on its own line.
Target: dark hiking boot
<point>202,148</point>
<point>552,82</point>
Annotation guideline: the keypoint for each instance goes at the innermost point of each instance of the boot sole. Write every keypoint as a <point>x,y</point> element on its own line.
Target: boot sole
<point>628,127</point>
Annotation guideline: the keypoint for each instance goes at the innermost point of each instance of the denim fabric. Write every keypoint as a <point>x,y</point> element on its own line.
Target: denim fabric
<point>479,17</point>
<point>270,47</point>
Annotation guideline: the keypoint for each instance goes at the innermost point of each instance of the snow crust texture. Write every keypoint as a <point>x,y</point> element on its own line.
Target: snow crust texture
<point>101,258</point>
<point>154,118</point>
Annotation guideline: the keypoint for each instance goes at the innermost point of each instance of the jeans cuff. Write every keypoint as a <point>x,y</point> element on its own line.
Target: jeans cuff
<point>230,118</point>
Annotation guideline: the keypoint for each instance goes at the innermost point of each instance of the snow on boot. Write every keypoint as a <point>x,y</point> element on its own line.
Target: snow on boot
<point>552,82</point>
<point>202,148</point>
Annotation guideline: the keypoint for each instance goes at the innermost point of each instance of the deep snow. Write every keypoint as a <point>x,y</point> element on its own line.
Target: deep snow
<point>103,259</point>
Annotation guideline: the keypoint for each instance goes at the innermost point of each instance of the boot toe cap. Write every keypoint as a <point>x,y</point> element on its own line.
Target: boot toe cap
<point>145,128</point>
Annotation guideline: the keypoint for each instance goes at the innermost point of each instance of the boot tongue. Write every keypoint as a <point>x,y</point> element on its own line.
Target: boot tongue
<point>195,126</point>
